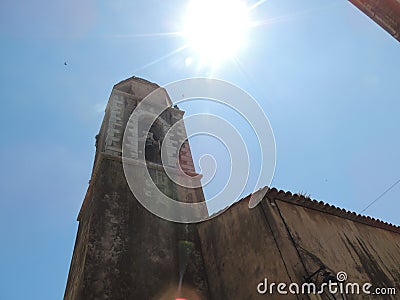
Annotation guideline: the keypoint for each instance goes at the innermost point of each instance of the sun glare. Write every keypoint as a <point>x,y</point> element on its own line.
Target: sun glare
<point>215,29</point>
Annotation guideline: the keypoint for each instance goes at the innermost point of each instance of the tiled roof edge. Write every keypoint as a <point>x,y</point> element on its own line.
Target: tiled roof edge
<point>330,209</point>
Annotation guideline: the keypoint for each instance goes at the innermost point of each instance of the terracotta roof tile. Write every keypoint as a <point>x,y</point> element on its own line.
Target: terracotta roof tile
<point>301,200</point>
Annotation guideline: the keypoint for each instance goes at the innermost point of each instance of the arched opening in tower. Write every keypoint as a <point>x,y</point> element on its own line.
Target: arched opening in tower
<point>152,142</point>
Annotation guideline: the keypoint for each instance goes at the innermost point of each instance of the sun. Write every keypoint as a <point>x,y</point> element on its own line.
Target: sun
<point>216,29</point>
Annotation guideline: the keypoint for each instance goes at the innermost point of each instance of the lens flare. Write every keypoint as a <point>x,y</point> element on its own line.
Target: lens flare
<point>216,29</point>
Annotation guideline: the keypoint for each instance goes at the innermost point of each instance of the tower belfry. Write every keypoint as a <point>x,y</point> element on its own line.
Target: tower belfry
<point>123,251</point>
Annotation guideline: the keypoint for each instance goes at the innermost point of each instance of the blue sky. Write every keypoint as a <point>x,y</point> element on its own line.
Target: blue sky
<point>326,76</point>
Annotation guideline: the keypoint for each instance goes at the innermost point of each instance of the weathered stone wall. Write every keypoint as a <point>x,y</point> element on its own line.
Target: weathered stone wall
<point>288,238</point>
<point>239,251</point>
<point>125,252</point>
<point>365,253</point>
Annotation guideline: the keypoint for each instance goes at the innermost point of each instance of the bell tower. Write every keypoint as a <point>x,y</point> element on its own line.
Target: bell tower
<point>122,250</point>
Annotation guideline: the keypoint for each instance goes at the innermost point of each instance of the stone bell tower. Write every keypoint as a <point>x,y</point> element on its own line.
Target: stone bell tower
<point>123,251</point>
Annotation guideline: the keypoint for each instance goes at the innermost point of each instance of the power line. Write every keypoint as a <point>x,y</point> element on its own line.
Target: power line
<point>381,195</point>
